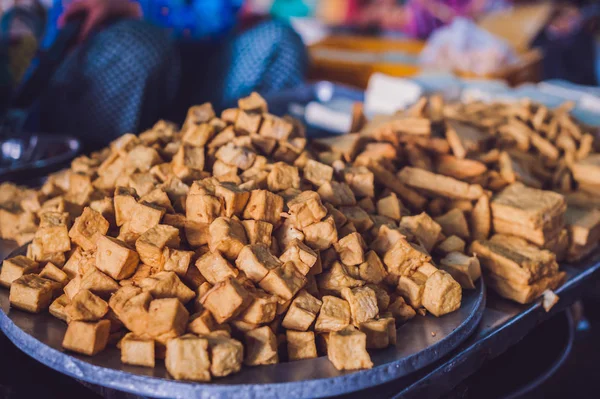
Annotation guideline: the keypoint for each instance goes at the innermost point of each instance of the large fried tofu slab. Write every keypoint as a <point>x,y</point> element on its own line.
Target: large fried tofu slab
<point>524,293</point>
<point>439,185</point>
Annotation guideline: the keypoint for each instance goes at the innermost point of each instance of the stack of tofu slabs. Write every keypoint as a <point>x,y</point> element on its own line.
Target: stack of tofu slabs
<point>584,230</point>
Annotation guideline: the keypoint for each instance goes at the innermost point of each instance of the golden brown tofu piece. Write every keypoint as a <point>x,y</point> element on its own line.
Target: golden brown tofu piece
<point>334,315</point>
<point>439,185</point>
<point>258,232</point>
<point>481,219</point>
<point>167,285</point>
<point>359,218</point>
<point>234,155</point>
<point>351,249</point>
<point>53,234</point>
<point>166,319</point>
<point>361,181</point>
<point>372,269</point>
<point>363,303</point>
<point>380,333</point>
<point>306,208</point>
<point>261,310</point>
<point>451,244</point>
<point>442,294</point>
<point>131,305</point>
<point>336,193</point>
<point>401,311</point>
<point>226,355</point>
<point>253,103</point>
<point>197,234</point>
<point>276,128</point>
<point>390,206</point>
<point>283,176</point>
<point>412,288</point>
<point>403,258</point>
<point>284,281</point>
<point>347,350</point>
<point>454,223</point>
<point>386,238</point>
<point>302,312</point>
<point>464,269</point>
<point>202,323</point>
<point>87,228</point>
<point>177,261</point>
<point>214,268</point>
<point>300,255</point>
<point>233,198</point>
<point>301,345</point>
<point>137,351</point>
<point>58,308</point>
<point>144,217</point>
<point>264,205</point>
<point>187,358</point>
<point>256,261</point>
<point>151,244</point>
<point>32,293</point>
<point>424,228</point>
<point>125,200</point>
<point>317,173</point>
<point>227,236</point>
<point>524,293</point>
<point>261,347</point>
<point>115,258</point>
<point>16,267</point>
<point>321,235</point>
<point>85,306</point>
<point>97,282</point>
<point>336,278</point>
<point>53,273</point>
<point>203,208</point>
<point>226,300</point>
<point>87,338</point>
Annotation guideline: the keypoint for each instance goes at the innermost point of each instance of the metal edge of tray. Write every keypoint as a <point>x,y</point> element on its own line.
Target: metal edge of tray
<point>81,368</point>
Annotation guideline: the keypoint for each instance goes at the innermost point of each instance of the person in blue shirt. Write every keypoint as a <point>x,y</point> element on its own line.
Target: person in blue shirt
<point>138,61</point>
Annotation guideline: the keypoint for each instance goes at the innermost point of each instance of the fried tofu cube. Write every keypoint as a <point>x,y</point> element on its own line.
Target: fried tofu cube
<point>261,310</point>
<point>87,228</point>
<point>300,345</point>
<point>351,249</point>
<point>253,103</point>
<point>302,312</point>
<point>363,303</point>
<point>214,268</point>
<point>227,236</point>
<point>115,258</point>
<point>187,358</point>
<point>361,181</point>
<point>31,293</point>
<point>167,285</point>
<point>424,228</point>
<point>264,205</point>
<point>131,306</point>
<point>198,114</point>
<point>125,200</point>
<point>347,350</point>
<point>283,176</point>
<point>256,261</point>
<point>247,123</point>
<point>334,315</point>
<point>300,255</point>
<point>87,338</point>
<point>144,217</point>
<point>58,308</point>
<point>412,288</point>
<point>151,244</point>
<point>197,234</point>
<point>454,223</point>
<point>85,306</point>
<point>276,128</point>
<point>198,135</point>
<point>240,157</point>
<point>234,198</point>
<point>202,323</point>
<point>321,235</point>
<point>464,269</point>
<point>226,300</point>
<point>226,355</point>
<point>372,269</point>
<point>337,194</point>
<point>284,281</point>
<point>380,333</point>
<point>16,267</point>
<point>390,206</point>
<point>451,244</point>
<point>202,208</point>
<point>97,282</point>
<point>258,232</point>
<point>306,208</point>
<point>359,218</point>
<point>337,277</point>
<point>53,234</point>
<point>442,294</point>
<point>137,351</point>
<point>401,311</point>
<point>177,261</point>
<point>261,347</point>
<point>187,159</point>
<point>403,258</point>
<point>317,173</point>
<point>167,318</point>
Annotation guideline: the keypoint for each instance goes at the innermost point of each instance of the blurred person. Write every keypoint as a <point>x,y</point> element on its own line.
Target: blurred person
<point>136,62</point>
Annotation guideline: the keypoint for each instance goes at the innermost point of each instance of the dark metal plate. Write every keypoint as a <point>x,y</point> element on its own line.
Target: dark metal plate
<point>420,342</point>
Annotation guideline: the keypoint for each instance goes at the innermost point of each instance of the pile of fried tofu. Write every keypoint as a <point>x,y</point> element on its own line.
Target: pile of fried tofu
<point>235,241</point>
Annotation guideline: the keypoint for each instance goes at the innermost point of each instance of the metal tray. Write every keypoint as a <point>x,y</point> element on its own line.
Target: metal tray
<point>420,342</point>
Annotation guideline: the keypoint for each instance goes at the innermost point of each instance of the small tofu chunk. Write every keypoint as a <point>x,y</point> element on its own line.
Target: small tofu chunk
<point>31,293</point>
<point>226,355</point>
<point>284,281</point>
<point>464,269</point>
<point>283,176</point>
<point>287,233</point>
<point>97,282</point>
<point>137,351</point>
<point>412,288</point>
<point>372,269</point>
<point>187,358</point>
<point>16,267</point>
<point>424,228</point>
<point>403,258</point>
<point>167,285</point>
<point>261,347</point>
<point>306,208</point>
<point>258,232</point>
<point>125,201</point>
<point>359,218</point>
<point>261,310</point>
<point>451,244</point>
<point>336,278</point>
<point>234,198</point>
<point>202,208</point>
<point>256,261</point>
<point>264,205</point>
<point>52,234</point>
<point>214,268</point>
<point>401,311</point>
<point>321,235</point>
<point>347,350</point>
<point>442,294</point>
<point>302,312</point>
<point>454,223</point>
<point>202,323</point>
<point>363,303</point>
<point>227,236</point>
<point>390,206</point>
<point>87,228</point>
<point>549,300</point>
<point>177,261</point>
<point>317,173</point>
<point>334,315</point>
<point>151,244</point>
<point>337,194</point>
<point>51,272</point>
<point>233,155</point>
<point>115,258</point>
<point>167,319</point>
<point>253,103</point>
<point>300,345</point>
<point>197,234</point>
<point>58,308</point>
<point>86,306</point>
<point>351,249</point>
<point>226,300</point>
<point>361,181</point>
<point>379,332</point>
<point>300,255</point>
<point>87,338</point>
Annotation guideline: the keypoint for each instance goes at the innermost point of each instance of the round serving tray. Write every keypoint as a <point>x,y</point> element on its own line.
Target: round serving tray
<point>420,342</point>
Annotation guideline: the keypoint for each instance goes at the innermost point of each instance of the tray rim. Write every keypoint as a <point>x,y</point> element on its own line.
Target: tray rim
<point>159,387</point>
